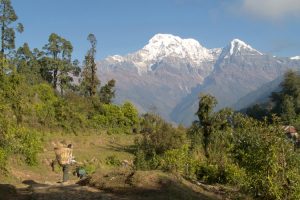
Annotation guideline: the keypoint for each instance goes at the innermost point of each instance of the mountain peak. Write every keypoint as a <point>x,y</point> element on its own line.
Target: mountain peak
<point>171,41</point>
<point>238,47</point>
<point>167,45</point>
<point>163,37</point>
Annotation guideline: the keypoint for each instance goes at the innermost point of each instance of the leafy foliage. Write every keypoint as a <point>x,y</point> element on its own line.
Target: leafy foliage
<point>112,161</point>
<point>211,122</point>
<point>159,143</point>
<point>90,82</point>
<point>268,159</point>
<point>7,18</point>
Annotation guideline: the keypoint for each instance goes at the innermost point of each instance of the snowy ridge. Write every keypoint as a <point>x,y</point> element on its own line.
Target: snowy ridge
<point>162,46</point>
<point>295,58</point>
<point>238,47</point>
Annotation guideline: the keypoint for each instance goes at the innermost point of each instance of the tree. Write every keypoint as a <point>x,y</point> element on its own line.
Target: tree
<point>89,78</point>
<point>67,67</point>
<point>257,111</point>
<point>107,92</point>
<point>210,122</point>
<point>131,114</point>
<point>54,48</point>
<point>60,63</point>
<point>288,112</point>
<point>7,18</point>
<point>27,64</point>
<point>267,157</point>
<point>287,101</point>
<point>205,115</point>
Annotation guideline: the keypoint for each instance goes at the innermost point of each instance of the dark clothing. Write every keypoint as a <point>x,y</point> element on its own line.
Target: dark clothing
<point>65,173</point>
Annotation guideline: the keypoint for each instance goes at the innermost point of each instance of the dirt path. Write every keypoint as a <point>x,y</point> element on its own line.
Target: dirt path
<point>52,191</point>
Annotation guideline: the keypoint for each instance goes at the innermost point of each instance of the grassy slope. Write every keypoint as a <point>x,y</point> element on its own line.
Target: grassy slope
<point>121,182</point>
<point>88,149</point>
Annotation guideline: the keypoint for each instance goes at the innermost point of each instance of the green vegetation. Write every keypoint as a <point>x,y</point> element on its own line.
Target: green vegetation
<point>284,103</point>
<point>38,94</point>
<point>224,147</point>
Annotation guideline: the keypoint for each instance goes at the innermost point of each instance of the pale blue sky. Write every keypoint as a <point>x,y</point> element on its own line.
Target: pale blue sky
<point>124,26</point>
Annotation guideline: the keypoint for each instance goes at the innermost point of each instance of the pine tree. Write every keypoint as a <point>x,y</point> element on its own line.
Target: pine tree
<point>60,62</point>
<point>27,64</point>
<point>7,18</point>
<point>54,48</point>
<point>90,81</point>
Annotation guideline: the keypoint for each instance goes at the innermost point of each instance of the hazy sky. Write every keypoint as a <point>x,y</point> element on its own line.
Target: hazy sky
<point>124,26</point>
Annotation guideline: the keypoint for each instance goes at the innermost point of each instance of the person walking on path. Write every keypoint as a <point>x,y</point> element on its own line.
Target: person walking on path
<point>64,157</point>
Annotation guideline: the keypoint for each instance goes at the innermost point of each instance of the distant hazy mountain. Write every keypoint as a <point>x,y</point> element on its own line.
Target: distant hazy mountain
<point>169,73</point>
<point>259,96</point>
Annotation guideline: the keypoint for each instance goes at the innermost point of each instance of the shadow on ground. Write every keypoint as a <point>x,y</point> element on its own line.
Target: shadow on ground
<point>118,185</point>
<point>10,192</point>
<point>38,191</point>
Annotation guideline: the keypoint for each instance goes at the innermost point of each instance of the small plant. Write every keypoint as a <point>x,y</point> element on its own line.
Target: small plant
<point>113,161</point>
<point>3,158</point>
<point>89,168</point>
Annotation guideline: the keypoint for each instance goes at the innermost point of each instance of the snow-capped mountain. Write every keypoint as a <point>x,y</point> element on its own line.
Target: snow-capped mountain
<point>161,73</point>
<point>164,46</point>
<point>169,72</point>
<point>295,58</point>
<point>238,48</point>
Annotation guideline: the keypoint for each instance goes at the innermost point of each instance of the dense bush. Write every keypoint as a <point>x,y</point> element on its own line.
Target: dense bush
<point>225,174</point>
<point>28,144</point>
<point>43,104</point>
<point>3,158</point>
<point>159,136</point>
<point>19,140</point>
<point>272,166</point>
<point>180,161</point>
<point>116,119</point>
<point>161,146</point>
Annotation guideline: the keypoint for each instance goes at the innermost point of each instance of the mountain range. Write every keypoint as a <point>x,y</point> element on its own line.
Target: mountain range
<point>167,75</point>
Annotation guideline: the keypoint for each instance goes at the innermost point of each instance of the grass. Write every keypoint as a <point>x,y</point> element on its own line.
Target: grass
<point>94,151</point>
<point>90,150</point>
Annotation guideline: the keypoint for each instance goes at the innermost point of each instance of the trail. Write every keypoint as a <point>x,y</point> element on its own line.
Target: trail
<point>53,191</point>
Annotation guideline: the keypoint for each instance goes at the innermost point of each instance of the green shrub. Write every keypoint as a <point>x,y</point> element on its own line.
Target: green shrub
<point>159,136</point>
<point>112,161</point>
<point>179,161</point>
<point>117,119</point>
<point>131,114</point>
<point>224,174</point>
<point>209,173</point>
<point>140,161</point>
<point>3,158</point>
<point>28,144</point>
<point>90,168</point>
<point>43,104</point>
<point>271,165</point>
